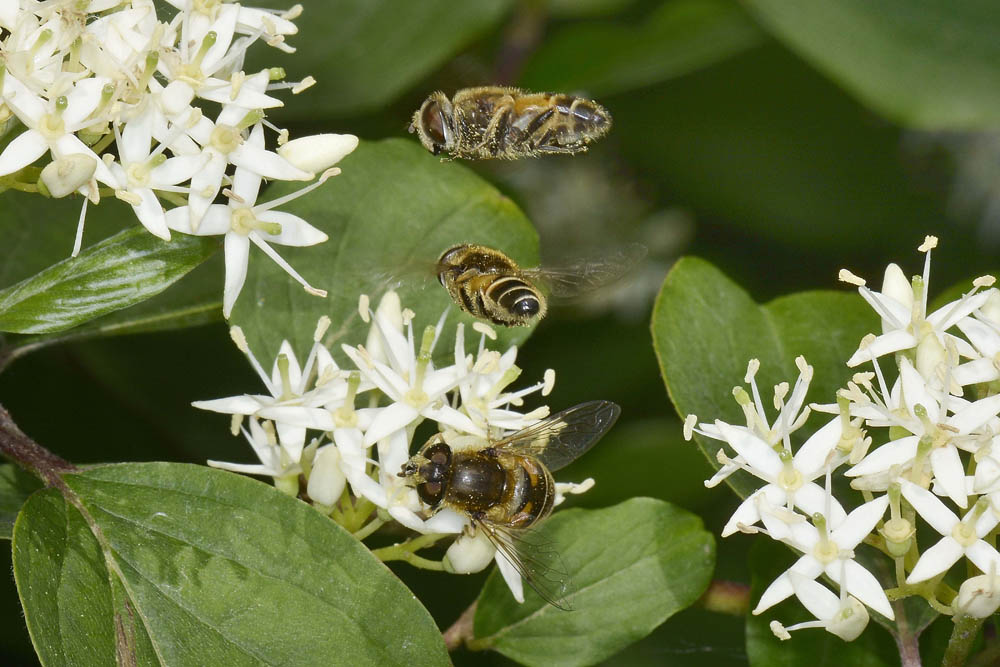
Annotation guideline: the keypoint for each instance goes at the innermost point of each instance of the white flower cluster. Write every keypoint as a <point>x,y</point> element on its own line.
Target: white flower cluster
<point>120,100</point>
<point>346,432</point>
<point>921,438</point>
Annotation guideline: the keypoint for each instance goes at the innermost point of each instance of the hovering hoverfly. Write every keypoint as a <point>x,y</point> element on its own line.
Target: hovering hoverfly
<point>508,123</point>
<point>488,284</point>
<point>506,487</point>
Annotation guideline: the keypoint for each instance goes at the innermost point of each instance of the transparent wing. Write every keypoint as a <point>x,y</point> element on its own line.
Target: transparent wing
<point>559,439</point>
<point>535,558</point>
<point>576,279</point>
<point>413,271</point>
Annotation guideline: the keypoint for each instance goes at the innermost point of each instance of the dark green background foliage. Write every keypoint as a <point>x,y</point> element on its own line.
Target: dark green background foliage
<point>774,142</point>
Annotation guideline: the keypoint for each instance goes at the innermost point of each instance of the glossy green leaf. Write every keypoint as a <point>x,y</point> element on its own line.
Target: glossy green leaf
<point>15,487</point>
<point>389,215</point>
<point>632,566</point>
<point>63,580</point>
<point>216,568</point>
<point>705,330</point>
<point>927,63</point>
<point>874,648</point>
<point>120,271</point>
<point>603,58</point>
<point>364,53</point>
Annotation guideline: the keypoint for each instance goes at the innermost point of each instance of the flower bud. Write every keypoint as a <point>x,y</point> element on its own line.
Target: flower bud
<point>898,534</point>
<point>326,481</point>
<point>930,355</point>
<point>469,554</point>
<point>978,597</point>
<point>67,174</point>
<point>849,621</point>
<point>319,151</point>
<point>895,284</point>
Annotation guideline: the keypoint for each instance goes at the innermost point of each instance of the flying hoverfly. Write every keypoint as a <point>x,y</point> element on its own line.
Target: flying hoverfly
<point>506,487</point>
<point>488,284</point>
<point>508,123</point>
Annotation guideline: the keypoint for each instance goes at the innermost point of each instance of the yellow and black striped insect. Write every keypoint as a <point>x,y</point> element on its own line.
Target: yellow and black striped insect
<point>508,123</point>
<point>488,284</point>
<point>506,487</point>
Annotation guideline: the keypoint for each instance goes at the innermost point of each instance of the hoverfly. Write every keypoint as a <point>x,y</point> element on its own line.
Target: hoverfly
<point>508,123</point>
<point>488,284</point>
<point>506,487</point>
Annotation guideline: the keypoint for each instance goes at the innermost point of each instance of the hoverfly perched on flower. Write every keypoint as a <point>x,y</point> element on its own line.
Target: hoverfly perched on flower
<point>508,123</point>
<point>506,486</point>
<point>488,284</point>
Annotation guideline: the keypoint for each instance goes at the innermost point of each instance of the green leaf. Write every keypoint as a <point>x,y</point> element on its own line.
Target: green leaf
<point>874,648</point>
<point>604,58</point>
<point>214,568</point>
<point>63,584</point>
<point>395,205</point>
<point>120,271</point>
<point>364,53</point>
<point>926,63</point>
<point>632,566</point>
<point>766,146</point>
<point>15,487</point>
<point>705,330</point>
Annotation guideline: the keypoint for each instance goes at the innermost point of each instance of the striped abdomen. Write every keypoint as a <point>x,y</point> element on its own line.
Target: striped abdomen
<point>512,300</point>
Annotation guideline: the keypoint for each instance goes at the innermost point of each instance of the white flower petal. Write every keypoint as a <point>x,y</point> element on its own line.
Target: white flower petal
<point>234,405</point>
<point>811,498</point>
<point>985,557</point>
<point>24,149</point>
<point>237,257</point>
<point>895,453</point>
<point>932,510</point>
<point>949,473</point>
<point>294,230</point>
<point>862,584</point>
<point>781,588</point>
<point>893,341</point>
<point>816,598</point>
<point>858,524</point>
<point>267,164</point>
<point>811,459</point>
<point>974,415</point>
<point>755,451</point>
<point>392,418</point>
<point>936,560</point>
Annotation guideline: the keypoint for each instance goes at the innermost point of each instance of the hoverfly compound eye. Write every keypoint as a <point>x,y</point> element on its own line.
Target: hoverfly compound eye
<point>433,123</point>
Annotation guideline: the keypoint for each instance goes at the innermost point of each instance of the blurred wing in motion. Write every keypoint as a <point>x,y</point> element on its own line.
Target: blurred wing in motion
<point>571,281</point>
<point>559,439</point>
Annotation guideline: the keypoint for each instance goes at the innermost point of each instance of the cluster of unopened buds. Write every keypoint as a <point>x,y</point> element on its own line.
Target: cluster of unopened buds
<point>161,115</point>
<point>915,434</point>
<point>339,436</point>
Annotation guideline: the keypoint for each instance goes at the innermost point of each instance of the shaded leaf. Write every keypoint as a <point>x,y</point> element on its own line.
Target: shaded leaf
<point>603,58</point>
<point>779,154</point>
<point>632,566</point>
<point>219,568</point>
<point>931,64</point>
<point>389,215</point>
<point>705,330</point>
<point>120,271</point>
<point>15,487</point>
